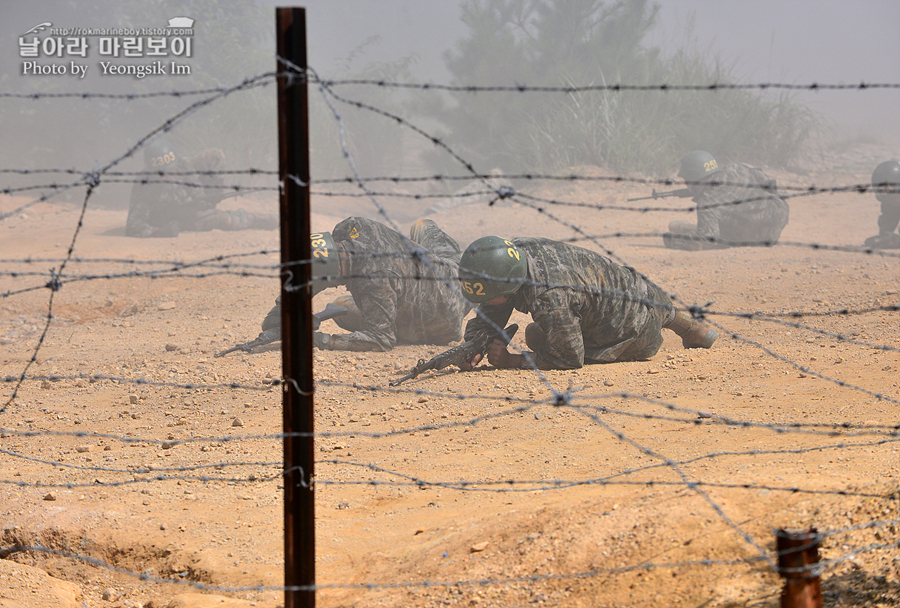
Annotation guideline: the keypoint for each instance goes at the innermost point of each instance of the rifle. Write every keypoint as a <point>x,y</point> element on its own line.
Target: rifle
<point>680,193</point>
<point>268,336</point>
<point>462,353</point>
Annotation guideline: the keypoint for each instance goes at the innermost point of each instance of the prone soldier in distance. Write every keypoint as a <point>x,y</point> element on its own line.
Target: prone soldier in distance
<point>737,206</point>
<point>402,291</point>
<point>164,205</point>
<point>586,308</point>
<point>886,183</point>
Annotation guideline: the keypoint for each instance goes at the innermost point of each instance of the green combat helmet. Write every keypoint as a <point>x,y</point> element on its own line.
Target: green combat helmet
<point>698,166</point>
<point>886,178</point>
<point>159,154</point>
<point>326,262</point>
<point>491,267</point>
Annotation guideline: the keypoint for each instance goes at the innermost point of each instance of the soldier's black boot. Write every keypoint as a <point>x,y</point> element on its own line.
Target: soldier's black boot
<point>694,333</point>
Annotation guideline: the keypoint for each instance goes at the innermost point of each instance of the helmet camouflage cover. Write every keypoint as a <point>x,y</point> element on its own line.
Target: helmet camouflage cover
<point>491,267</point>
<point>697,166</point>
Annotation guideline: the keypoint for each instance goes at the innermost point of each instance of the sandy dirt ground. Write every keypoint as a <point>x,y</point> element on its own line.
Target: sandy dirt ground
<point>656,483</point>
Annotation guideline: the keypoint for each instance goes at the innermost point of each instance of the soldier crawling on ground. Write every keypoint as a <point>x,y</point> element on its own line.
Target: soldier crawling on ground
<point>737,205</point>
<point>886,183</point>
<point>397,296</point>
<point>586,308</point>
<point>168,205</point>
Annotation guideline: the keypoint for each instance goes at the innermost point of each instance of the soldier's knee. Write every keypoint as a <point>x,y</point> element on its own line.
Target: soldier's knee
<point>352,321</point>
<point>679,227</point>
<point>535,337</point>
<point>345,301</point>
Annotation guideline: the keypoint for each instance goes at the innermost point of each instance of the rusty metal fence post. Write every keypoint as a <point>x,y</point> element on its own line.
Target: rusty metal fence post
<point>296,311</point>
<point>798,558</point>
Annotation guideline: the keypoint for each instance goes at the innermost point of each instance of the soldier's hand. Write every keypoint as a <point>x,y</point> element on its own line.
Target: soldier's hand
<point>500,357</point>
<point>322,340</point>
<point>470,365</point>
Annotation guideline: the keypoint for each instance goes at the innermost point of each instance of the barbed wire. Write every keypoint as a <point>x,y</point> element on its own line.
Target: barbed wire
<point>517,88</point>
<point>668,471</point>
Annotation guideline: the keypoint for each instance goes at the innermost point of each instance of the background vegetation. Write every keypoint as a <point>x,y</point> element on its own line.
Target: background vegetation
<point>507,42</point>
<point>561,43</point>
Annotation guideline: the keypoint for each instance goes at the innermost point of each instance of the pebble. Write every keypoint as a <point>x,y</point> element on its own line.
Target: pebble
<point>166,306</point>
<point>237,422</point>
<point>132,398</point>
<point>171,347</point>
<point>479,547</point>
<point>81,449</point>
<point>110,594</point>
<point>608,383</point>
<point>50,496</point>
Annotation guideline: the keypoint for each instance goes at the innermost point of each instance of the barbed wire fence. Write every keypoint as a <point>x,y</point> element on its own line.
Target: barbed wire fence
<point>380,443</point>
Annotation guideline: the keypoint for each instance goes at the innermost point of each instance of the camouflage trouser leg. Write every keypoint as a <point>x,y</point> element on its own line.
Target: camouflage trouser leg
<point>647,343</point>
<point>649,335</point>
<point>245,220</point>
<point>353,320</point>
<point>427,234</point>
<point>682,235</point>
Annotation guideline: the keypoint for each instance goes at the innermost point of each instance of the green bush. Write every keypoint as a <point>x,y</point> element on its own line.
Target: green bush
<point>579,43</point>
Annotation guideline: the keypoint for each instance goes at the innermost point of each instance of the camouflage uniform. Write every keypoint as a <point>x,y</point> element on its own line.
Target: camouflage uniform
<point>591,309</point>
<point>724,221</point>
<point>165,209</point>
<point>402,299</point>
<point>887,224</point>
<point>395,298</point>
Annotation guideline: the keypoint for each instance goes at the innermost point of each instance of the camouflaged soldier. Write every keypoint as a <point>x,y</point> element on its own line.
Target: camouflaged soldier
<point>737,206</point>
<point>586,308</point>
<point>396,296</point>
<point>165,208</point>
<point>886,183</point>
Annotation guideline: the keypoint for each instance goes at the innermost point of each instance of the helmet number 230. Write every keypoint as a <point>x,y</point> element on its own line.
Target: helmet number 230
<point>161,161</point>
<point>319,246</point>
